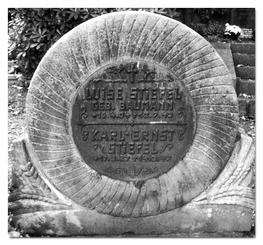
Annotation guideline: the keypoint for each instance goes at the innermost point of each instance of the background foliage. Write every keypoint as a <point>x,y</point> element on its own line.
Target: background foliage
<point>32,31</point>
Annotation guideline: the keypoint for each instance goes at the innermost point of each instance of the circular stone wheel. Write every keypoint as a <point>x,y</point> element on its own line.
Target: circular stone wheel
<point>117,37</point>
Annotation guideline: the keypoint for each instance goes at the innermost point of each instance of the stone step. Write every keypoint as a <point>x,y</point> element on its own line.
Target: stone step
<point>243,48</point>
<point>246,86</point>
<point>244,59</point>
<point>12,77</point>
<point>247,107</point>
<point>245,72</point>
<point>10,64</point>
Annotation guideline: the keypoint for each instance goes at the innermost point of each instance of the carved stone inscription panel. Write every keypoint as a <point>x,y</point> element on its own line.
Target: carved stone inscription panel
<point>132,121</point>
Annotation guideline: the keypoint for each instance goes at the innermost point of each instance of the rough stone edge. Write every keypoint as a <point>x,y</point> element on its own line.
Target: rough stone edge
<point>206,213</point>
<point>224,50</point>
<point>30,189</point>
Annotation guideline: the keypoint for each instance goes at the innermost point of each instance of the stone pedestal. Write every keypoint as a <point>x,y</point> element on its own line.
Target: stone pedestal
<point>132,129</point>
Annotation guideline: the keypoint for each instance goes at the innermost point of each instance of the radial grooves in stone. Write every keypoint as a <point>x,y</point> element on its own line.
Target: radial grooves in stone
<point>73,68</point>
<point>210,82</point>
<point>81,52</point>
<point>82,195</point>
<point>208,99</point>
<point>124,198</point>
<point>218,149</point>
<point>218,108</point>
<point>184,52</point>
<point>63,164</point>
<point>35,102</point>
<point>47,118</point>
<point>221,118</point>
<point>93,42</point>
<point>211,72</point>
<point>126,35</point>
<point>109,195</point>
<point>162,42</point>
<point>117,201</point>
<point>59,97</point>
<point>47,134</point>
<point>48,147</point>
<point>95,191</point>
<point>71,179</point>
<point>140,35</point>
<point>99,197</point>
<point>57,158</point>
<point>202,165</point>
<point>62,73</point>
<point>98,41</point>
<point>83,34</point>
<point>137,210</point>
<point>68,173</point>
<point>120,35</point>
<point>48,140</point>
<point>107,45</point>
<point>226,133</point>
<point>46,115</point>
<point>129,207</point>
<point>48,126</point>
<point>109,25</point>
<point>42,156</point>
<point>79,58</point>
<point>190,62</point>
<point>149,26</point>
<point>225,87</point>
<point>118,22</point>
<point>181,49</point>
<point>202,69</point>
<point>162,25</point>
<point>177,40</point>
<point>55,101</point>
<point>209,156</point>
<point>69,190</point>
<point>131,34</point>
<point>216,138</point>
<point>115,198</point>
<point>78,188</point>
<point>214,94</point>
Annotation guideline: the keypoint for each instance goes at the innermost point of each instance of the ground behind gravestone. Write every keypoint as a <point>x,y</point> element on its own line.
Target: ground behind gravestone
<point>17,124</point>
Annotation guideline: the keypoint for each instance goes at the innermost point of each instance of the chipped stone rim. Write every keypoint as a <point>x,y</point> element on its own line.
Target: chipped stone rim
<point>79,53</point>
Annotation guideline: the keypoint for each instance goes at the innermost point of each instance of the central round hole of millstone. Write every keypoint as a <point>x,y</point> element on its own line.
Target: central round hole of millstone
<point>132,121</point>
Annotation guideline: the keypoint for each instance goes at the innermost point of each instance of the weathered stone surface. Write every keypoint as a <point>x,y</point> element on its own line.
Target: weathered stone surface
<point>80,110</point>
<point>224,50</point>
<point>227,206</point>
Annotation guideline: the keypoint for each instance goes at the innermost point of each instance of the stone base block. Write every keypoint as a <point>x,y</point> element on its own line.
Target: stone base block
<point>186,220</point>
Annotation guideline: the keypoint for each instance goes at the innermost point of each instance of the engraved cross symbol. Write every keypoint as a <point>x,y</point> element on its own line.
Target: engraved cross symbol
<point>133,70</point>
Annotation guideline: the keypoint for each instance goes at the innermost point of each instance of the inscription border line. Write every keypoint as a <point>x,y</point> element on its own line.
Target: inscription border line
<point>131,123</point>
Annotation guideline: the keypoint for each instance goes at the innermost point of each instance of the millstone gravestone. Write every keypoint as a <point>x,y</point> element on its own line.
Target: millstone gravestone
<point>132,128</point>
